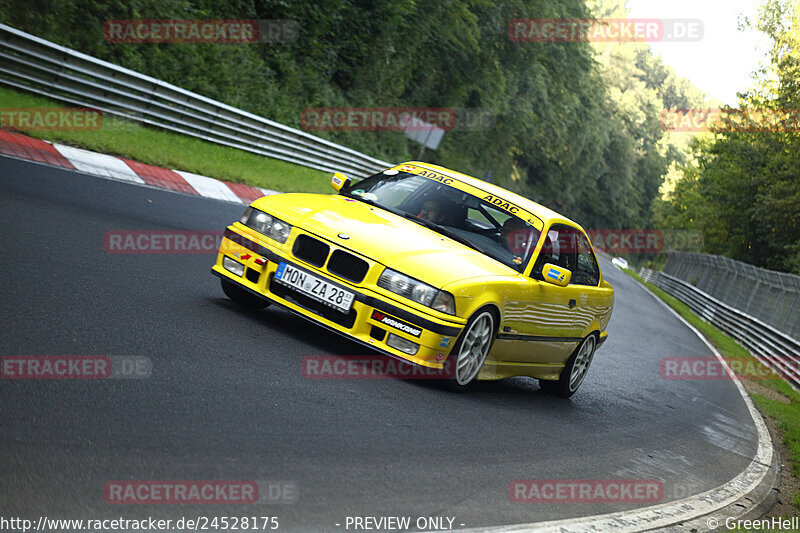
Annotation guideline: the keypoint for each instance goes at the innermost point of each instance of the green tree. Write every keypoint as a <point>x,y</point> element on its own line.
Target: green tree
<point>744,191</point>
<point>573,123</point>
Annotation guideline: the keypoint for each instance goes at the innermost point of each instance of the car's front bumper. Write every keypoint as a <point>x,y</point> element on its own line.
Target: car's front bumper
<point>372,317</point>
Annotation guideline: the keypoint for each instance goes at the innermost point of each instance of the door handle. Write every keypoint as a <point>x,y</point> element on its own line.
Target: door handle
<point>572,303</point>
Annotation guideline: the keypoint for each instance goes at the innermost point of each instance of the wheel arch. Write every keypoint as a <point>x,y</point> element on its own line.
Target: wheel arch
<point>495,311</point>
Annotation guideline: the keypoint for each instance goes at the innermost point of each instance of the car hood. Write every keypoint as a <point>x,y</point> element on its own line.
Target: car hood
<point>392,240</point>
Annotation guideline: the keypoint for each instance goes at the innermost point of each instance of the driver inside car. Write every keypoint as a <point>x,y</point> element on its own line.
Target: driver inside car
<point>515,235</point>
<point>434,211</point>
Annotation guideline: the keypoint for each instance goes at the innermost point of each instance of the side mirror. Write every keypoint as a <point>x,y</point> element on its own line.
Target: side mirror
<point>339,180</point>
<point>556,275</point>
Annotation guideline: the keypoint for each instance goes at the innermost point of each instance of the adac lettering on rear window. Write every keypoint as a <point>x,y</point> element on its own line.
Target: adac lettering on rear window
<point>502,204</point>
<point>435,176</point>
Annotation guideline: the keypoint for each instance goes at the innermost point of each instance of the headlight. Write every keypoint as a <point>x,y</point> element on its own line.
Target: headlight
<point>268,225</point>
<point>416,290</point>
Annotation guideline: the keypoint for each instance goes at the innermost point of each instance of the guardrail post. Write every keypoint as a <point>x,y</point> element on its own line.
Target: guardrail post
<point>752,295</point>
<point>790,315</point>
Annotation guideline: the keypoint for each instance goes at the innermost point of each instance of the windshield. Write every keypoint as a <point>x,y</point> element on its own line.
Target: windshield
<point>454,213</point>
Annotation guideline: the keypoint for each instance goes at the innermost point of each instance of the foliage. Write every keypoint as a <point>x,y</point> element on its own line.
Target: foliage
<point>577,126</point>
<point>742,189</point>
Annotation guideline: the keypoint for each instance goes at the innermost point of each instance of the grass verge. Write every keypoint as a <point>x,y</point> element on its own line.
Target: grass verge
<point>172,150</point>
<point>779,402</point>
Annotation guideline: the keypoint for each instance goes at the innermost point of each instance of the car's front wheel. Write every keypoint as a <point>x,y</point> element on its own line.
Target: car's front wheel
<point>574,371</point>
<point>470,352</point>
<point>241,296</point>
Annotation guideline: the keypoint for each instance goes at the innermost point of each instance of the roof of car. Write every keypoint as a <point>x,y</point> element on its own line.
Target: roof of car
<point>544,213</point>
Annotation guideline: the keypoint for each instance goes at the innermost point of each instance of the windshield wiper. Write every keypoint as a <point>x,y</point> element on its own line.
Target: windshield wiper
<point>441,229</point>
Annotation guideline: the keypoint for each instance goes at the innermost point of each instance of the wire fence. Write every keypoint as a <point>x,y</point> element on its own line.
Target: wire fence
<point>772,297</point>
<point>773,348</point>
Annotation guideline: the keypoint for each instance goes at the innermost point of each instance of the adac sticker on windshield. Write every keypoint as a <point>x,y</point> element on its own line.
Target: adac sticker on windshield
<point>502,204</point>
<point>437,176</point>
<point>447,180</point>
<point>427,173</point>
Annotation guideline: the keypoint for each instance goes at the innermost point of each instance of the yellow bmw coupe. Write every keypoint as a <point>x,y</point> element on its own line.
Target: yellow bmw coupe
<point>430,266</point>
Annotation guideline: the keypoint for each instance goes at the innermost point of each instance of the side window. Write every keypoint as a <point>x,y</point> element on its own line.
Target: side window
<point>559,249</point>
<point>587,273</point>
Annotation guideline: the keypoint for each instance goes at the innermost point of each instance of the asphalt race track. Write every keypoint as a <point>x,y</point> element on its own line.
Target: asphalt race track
<point>226,399</point>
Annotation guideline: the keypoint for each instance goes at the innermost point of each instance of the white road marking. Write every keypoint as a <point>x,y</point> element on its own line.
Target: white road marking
<point>98,164</point>
<point>209,187</point>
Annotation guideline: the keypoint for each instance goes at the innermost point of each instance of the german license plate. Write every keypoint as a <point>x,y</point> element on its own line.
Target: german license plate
<point>314,287</point>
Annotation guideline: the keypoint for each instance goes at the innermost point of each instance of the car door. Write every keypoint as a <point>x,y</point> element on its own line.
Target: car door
<point>594,301</point>
<point>544,324</point>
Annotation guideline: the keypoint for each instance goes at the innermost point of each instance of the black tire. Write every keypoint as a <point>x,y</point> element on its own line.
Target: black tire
<point>241,296</point>
<point>567,383</point>
<point>460,378</point>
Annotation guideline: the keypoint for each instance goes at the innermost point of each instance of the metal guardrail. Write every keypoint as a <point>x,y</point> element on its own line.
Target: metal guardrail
<point>770,346</point>
<point>771,296</point>
<point>34,65</point>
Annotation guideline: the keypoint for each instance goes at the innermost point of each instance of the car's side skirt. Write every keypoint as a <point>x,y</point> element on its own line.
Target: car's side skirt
<point>536,338</point>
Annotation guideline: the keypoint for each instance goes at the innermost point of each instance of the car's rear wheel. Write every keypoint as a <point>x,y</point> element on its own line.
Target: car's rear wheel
<point>241,296</point>
<point>470,352</point>
<point>574,371</point>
